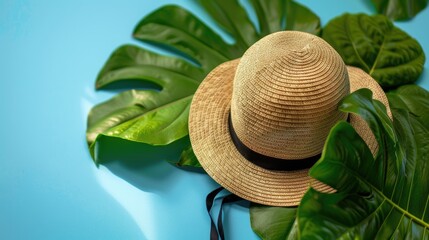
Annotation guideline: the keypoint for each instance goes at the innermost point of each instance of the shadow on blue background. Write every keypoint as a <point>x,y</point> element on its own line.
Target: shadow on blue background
<point>141,164</point>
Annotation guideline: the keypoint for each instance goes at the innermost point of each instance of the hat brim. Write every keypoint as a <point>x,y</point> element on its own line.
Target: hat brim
<point>212,144</point>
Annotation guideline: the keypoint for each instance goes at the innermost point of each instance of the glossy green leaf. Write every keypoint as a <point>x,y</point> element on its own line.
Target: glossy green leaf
<point>232,17</point>
<point>374,113</point>
<point>280,15</point>
<point>373,201</point>
<point>130,62</point>
<point>412,98</point>
<point>156,113</point>
<point>400,9</point>
<point>146,116</point>
<point>273,223</point>
<point>301,18</point>
<point>161,125</point>
<point>177,28</point>
<point>270,15</point>
<point>411,102</point>
<point>374,44</point>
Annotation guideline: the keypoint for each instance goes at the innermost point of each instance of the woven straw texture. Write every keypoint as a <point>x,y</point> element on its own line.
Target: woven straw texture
<point>283,97</point>
<point>286,93</point>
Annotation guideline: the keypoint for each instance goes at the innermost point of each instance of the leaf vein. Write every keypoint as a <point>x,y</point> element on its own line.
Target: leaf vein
<point>152,110</point>
<point>371,214</point>
<point>379,53</point>
<point>397,226</point>
<point>384,221</point>
<point>426,207</point>
<point>348,34</point>
<point>209,48</point>
<point>399,65</point>
<point>175,119</point>
<point>354,173</point>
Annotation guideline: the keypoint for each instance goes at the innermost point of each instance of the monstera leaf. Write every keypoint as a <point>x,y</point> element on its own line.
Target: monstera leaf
<point>149,116</point>
<point>156,113</point>
<point>374,44</point>
<point>374,200</point>
<point>400,9</point>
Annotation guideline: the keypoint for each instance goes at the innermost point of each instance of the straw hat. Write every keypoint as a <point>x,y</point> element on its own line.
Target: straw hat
<point>257,124</point>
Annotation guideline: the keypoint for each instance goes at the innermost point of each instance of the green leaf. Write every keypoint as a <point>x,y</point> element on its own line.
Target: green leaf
<point>157,112</point>
<point>412,103</point>
<point>188,158</point>
<point>146,116</point>
<point>412,98</point>
<point>373,201</point>
<point>162,125</point>
<point>130,62</point>
<point>273,223</point>
<point>277,15</point>
<point>301,19</point>
<point>270,15</point>
<point>374,113</point>
<point>178,29</point>
<point>232,17</point>
<point>134,156</point>
<point>374,44</point>
<point>400,9</point>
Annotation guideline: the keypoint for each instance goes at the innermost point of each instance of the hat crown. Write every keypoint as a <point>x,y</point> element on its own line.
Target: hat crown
<point>286,92</point>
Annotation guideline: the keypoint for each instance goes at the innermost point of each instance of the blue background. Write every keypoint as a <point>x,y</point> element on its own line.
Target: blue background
<point>50,54</point>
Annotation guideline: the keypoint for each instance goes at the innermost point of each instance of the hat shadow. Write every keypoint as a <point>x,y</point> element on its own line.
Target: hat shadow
<point>148,168</point>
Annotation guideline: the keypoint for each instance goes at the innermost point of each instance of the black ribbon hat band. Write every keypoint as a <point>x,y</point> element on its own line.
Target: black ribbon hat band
<point>267,162</point>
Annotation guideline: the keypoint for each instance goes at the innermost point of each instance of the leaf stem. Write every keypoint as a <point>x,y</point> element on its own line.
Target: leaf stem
<point>378,55</point>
